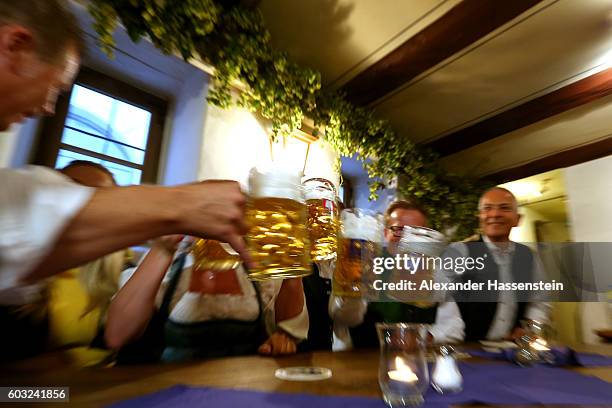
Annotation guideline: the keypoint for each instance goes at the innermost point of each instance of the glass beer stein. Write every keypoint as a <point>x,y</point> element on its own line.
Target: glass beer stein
<point>358,245</point>
<point>425,244</point>
<point>277,237</point>
<point>322,224</point>
<point>214,255</point>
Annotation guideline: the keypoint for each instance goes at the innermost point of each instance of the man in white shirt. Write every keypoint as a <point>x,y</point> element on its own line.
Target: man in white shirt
<point>354,318</point>
<point>47,223</point>
<point>497,315</point>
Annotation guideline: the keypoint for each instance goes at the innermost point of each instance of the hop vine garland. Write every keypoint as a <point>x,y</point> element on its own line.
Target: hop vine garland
<point>231,36</point>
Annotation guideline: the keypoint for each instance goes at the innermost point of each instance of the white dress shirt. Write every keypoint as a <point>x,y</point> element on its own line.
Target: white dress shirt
<point>507,307</point>
<point>36,204</point>
<point>449,326</point>
<point>349,312</point>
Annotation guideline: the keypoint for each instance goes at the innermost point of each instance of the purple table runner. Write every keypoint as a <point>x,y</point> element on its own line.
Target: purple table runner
<point>511,384</point>
<point>483,383</point>
<point>563,356</point>
<point>183,396</point>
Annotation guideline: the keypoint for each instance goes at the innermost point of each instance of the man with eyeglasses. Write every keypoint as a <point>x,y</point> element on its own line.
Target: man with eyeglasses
<point>494,315</point>
<point>399,214</point>
<point>355,318</point>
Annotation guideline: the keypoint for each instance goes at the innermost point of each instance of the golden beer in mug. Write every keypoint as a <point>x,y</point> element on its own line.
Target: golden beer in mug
<point>358,245</point>
<point>322,218</point>
<point>214,255</point>
<point>277,237</point>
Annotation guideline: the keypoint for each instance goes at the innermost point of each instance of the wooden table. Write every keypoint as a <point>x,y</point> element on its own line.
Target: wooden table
<point>354,373</point>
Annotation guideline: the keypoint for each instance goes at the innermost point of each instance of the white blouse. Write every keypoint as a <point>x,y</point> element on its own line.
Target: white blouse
<point>191,307</point>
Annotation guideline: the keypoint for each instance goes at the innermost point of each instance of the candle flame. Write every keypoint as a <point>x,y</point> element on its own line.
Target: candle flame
<point>402,372</point>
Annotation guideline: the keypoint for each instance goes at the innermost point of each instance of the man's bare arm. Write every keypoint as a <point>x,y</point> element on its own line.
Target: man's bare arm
<point>116,218</point>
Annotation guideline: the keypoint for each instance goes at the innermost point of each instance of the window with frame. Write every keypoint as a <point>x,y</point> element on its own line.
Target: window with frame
<point>108,122</point>
<point>345,192</point>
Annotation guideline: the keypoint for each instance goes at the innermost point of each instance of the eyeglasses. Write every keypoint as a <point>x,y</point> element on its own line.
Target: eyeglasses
<point>501,207</point>
<point>396,229</point>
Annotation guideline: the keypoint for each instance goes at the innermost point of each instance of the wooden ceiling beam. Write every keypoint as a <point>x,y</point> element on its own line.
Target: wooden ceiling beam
<point>461,26</point>
<point>559,160</point>
<point>563,99</point>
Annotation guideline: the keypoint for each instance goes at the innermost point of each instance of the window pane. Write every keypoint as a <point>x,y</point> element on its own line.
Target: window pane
<point>102,115</point>
<point>123,175</point>
<point>89,110</point>
<point>76,138</point>
<point>131,125</point>
<point>85,141</point>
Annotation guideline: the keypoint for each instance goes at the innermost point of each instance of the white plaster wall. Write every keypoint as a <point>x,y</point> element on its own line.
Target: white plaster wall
<point>235,141</point>
<point>525,232</point>
<point>8,142</point>
<point>182,154</point>
<point>589,190</point>
<point>17,143</point>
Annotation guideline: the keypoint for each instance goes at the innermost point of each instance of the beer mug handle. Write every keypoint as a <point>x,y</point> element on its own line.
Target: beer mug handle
<point>228,248</point>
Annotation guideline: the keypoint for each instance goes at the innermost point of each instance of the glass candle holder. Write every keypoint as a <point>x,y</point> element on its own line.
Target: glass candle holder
<point>402,371</point>
<point>537,340</point>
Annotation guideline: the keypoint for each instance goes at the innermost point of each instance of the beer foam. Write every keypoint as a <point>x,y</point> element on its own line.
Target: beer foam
<point>319,189</point>
<point>361,226</point>
<point>422,240</point>
<point>277,183</point>
<point>316,194</point>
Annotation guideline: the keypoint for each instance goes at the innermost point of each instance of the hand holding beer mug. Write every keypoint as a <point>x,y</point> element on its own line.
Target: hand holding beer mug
<point>322,218</point>
<point>358,245</point>
<point>277,237</point>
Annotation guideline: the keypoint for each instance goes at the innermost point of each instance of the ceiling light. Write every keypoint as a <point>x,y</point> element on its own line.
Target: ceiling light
<point>523,190</point>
